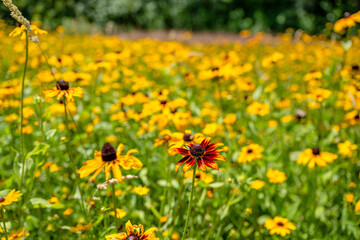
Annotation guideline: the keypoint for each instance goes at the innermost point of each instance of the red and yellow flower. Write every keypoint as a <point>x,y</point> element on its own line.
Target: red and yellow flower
<point>204,154</point>
<point>134,232</point>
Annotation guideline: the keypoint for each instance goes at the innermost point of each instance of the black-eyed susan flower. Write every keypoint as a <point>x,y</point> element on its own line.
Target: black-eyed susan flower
<point>17,234</point>
<point>21,31</point>
<point>250,153</point>
<point>110,159</point>
<point>275,176</point>
<point>63,89</point>
<point>314,157</point>
<point>203,154</point>
<point>134,232</point>
<point>13,196</point>
<point>280,226</point>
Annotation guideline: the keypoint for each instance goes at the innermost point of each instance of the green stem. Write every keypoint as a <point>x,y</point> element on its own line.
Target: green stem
<point>114,199</point>
<point>72,163</point>
<point>3,220</point>
<point>190,203</point>
<point>22,115</point>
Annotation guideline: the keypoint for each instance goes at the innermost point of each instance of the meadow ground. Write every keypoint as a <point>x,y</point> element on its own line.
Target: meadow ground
<point>260,135</point>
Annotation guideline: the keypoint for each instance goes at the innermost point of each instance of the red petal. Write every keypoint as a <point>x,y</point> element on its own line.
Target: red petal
<point>214,157</point>
<point>211,164</point>
<point>201,164</point>
<point>205,142</point>
<point>181,151</point>
<point>189,164</point>
<point>213,146</point>
<point>179,163</point>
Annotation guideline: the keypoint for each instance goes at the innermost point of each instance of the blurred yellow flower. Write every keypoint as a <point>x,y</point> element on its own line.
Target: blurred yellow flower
<point>280,226</point>
<point>257,184</point>
<point>275,176</point>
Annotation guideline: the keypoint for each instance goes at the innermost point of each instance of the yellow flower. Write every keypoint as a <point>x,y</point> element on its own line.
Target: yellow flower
<point>230,119</point>
<point>280,226</point>
<point>110,159</point>
<point>250,153</point>
<point>120,213</point>
<point>349,197</point>
<point>314,157</point>
<point>63,89</point>
<point>17,234</point>
<point>164,219</point>
<point>346,22</point>
<point>137,232</point>
<point>346,148</point>
<point>272,123</point>
<point>276,176</point>
<point>10,198</point>
<point>257,108</point>
<point>357,207</point>
<point>21,31</point>
<point>81,228</point>
<point>68,211</point>
<point>141,190</point>
<point>257,184</point>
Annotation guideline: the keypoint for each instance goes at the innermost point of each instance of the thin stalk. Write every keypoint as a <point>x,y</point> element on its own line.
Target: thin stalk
<point>22,114</point>
<point>190,203</point>
<point>3,220</point>
<point>72,163</point>
<point>114,199</point>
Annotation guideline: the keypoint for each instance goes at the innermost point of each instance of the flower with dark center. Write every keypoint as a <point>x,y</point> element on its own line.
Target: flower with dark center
<point>249,150</point>
<point>204,154</point>
<point>110,160</point>
<point>63,89</point>
<point>316,151</point>
<point>197,150</point>
<point>62,85</point>
<point>13,196</point>
<point>108,153</point>
<point>314,157</point>
<point>188,137</point>
<point>2,199</point>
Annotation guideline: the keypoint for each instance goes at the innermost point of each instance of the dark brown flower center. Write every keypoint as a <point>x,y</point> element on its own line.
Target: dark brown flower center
<point>163,102</point>
<point>215,69</point>
<point>62,85</point>
<point>281,224</point>
<point>108,153</point>
<point>197,150</point>
<point>197,176</point>
<point>249,150</point>
<point>316,151</point>
<point>355,67</point>
<point>2,199</point>
<point>357,116</point>
<point>188,137</point>
<point>132,237</point>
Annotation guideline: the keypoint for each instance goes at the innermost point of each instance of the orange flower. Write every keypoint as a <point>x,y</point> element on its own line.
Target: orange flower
<point>203,153</point>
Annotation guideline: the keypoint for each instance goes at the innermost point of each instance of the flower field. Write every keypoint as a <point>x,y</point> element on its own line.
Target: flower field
<point>106,138</point>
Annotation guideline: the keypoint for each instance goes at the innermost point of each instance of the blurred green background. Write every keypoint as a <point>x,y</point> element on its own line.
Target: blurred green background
<point>195,15</point>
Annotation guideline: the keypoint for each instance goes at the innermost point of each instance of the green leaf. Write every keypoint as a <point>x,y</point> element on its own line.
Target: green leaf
<point>40,203</point>
<point>50,134</point>
<point>41,148</point>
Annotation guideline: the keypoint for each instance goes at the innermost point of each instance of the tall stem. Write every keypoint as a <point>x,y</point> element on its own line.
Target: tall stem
<point>72,163</point>
<point>190,203</point>
<point>22,115</point>
<point>115,208</point>
<point>3,220</point>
